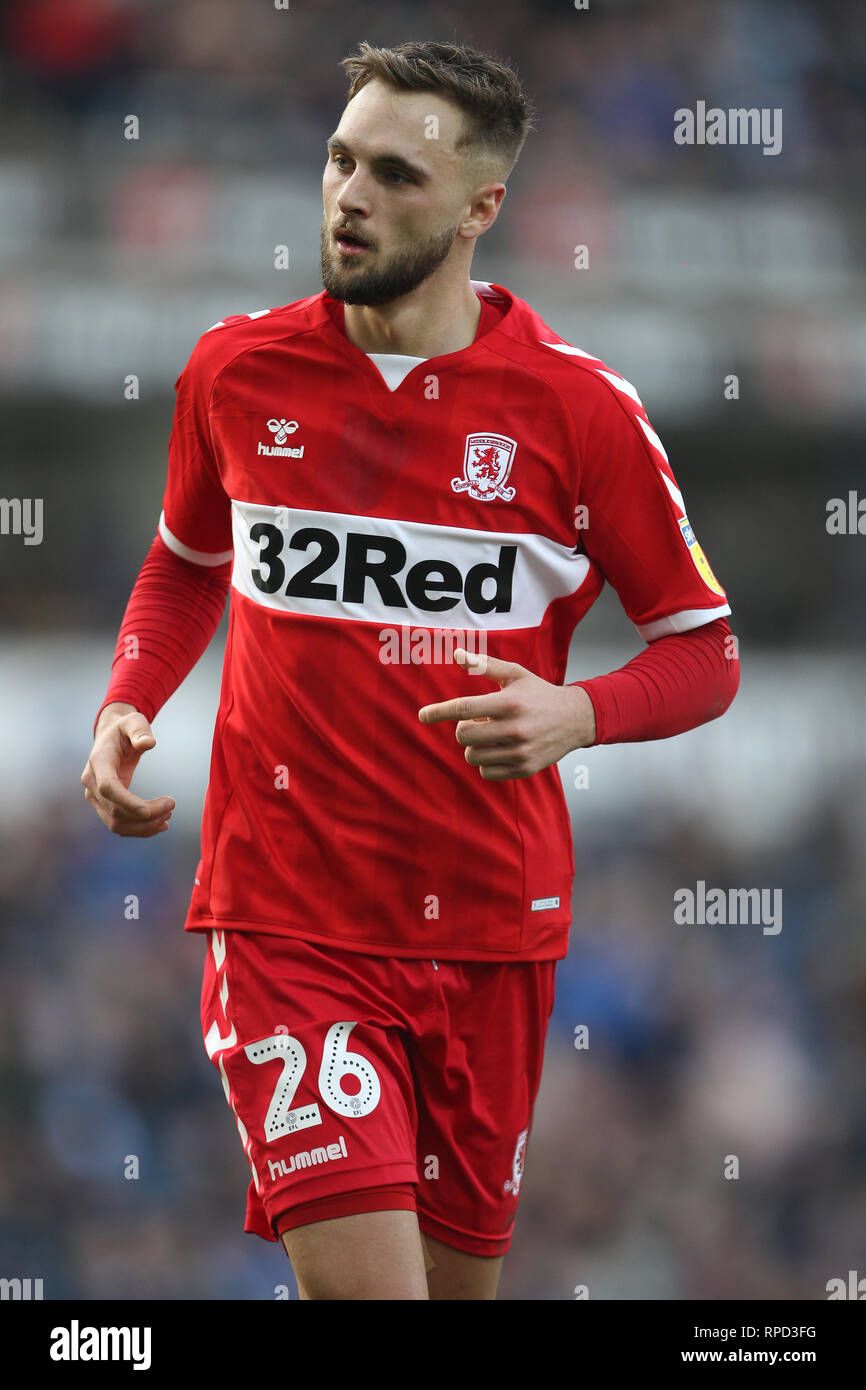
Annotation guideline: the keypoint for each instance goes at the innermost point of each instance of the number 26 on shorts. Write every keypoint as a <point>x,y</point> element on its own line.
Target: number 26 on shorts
<point>337,1062</point>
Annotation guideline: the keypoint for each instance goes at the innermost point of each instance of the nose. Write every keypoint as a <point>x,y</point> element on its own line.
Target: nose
<point>353,197</point>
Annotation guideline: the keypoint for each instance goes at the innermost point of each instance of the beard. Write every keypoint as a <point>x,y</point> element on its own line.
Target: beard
<point>406,270</point>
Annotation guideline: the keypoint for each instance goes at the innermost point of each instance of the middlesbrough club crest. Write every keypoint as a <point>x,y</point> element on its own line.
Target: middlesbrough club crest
<point>486,465</point>
<point>512,1184</point>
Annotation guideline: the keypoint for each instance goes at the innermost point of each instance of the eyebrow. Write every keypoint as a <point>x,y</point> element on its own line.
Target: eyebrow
<point>393,160</point>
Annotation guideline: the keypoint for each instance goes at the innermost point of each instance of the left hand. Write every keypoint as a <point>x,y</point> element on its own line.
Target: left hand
<point>525,726</point>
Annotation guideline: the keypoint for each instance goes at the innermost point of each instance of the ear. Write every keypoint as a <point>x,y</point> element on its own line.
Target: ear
<point>484,209</point>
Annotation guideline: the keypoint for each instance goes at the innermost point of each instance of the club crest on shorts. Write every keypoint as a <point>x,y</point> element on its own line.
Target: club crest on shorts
<point>512,1184</point>
<point>487,463</point>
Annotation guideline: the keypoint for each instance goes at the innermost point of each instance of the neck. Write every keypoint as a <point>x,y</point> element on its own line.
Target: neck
<point>426,323</point>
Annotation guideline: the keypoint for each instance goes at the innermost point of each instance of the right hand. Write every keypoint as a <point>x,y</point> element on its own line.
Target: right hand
<point>122,734</point>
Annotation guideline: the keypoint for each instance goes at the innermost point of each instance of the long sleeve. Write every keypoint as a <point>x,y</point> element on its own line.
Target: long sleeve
<point>677,683</point>
<point>172,614</point>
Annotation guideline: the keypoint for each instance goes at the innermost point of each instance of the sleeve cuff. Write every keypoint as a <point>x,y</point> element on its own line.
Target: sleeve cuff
<point>185,552</point>
<point>684,621</point>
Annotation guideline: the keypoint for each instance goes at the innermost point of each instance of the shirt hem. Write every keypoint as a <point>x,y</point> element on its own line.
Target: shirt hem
<point>555,949</point>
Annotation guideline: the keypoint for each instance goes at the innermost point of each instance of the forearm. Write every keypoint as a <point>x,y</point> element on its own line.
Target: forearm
<point>676,684</point>
<point>172,614</point>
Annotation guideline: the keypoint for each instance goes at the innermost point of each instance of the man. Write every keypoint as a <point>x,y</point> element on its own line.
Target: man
<point>407,459</point>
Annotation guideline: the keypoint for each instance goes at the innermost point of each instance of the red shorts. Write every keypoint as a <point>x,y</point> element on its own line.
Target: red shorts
<point>371,1083</point>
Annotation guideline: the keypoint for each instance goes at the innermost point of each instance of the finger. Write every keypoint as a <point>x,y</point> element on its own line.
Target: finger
<point>122,824</point>
<point>143,832</point>
<point>500,772</point>
<point>138,831</point>
<point>465,707</point>
<point>137,730</point>
<point>486,734</point>
<point>482,664</point>
<point>114,812</point>
<point>491,757</point>
<point>111,790</point>
<point>101,771</point>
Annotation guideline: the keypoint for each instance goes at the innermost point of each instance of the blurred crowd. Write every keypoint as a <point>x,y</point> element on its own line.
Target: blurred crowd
<point>606,78</point>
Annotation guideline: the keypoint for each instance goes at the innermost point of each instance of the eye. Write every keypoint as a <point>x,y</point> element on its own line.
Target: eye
<point>392,173</point>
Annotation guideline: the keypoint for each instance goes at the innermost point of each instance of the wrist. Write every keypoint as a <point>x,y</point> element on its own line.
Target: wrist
<point>110,713</point>
<point>583,729</point>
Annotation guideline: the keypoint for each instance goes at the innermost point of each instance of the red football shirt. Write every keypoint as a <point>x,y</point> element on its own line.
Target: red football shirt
<point>481,500</point>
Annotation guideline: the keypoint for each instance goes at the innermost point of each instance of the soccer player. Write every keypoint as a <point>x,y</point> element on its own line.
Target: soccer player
<point>415,489</point>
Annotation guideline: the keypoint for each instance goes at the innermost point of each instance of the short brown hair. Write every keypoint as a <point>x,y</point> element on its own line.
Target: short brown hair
<point>498,115</point>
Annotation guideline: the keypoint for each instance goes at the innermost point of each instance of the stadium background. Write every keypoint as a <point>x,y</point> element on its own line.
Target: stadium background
<point>705,1041</point>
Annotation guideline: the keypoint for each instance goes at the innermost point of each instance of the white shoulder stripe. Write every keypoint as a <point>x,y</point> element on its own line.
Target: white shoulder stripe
<point>571,351</point>
<point>628,389</point>
<point>256,314</point>
<point>613,377</point>
<point>682,622</point>
<point>654,440</point>
<point>674,491</point>
<point>198,557</point>
<point>621,385</point>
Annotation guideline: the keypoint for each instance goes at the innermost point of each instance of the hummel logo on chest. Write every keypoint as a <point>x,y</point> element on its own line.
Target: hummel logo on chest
<point>281,429</point>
